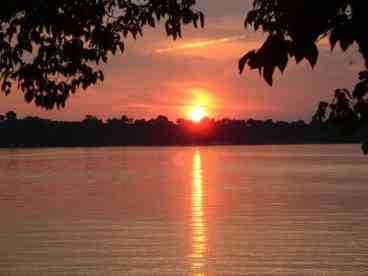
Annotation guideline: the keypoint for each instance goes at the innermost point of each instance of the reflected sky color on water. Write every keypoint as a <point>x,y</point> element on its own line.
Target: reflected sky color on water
<point>253,211</point>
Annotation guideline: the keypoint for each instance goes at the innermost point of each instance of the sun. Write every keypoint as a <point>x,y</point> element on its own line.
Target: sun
<point>196,114</point>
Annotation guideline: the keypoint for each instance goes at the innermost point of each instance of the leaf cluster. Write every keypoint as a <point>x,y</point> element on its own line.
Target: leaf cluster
<point>348,110</point>
<point>295,27</point>
<point>50,49</point>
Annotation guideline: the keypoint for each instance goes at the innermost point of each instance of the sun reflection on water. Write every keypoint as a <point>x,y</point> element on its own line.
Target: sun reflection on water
<point>198,228</point>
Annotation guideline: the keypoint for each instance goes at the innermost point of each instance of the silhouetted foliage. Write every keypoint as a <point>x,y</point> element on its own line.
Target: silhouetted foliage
<point>92,131</point>
<point>11,116</point>
<point>294,29</point>
<point>348,111</point>
<point>49,49</point>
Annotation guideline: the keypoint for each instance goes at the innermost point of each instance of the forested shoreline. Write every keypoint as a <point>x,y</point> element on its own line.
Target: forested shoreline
<point>160,131</point>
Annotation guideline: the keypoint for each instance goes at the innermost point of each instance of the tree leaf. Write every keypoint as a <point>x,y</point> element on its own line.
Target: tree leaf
<point>121,47</point>
<point>201,19</point>
<point>268,74</point>
<point>311,54</point>
<point>29,96</point>
<point>345,43</point>
<point>334,38</point>
<point>243,61</point>
<point>299,55</point>
<point>283,61</point>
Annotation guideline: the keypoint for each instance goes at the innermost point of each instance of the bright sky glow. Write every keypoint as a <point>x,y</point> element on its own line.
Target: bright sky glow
<point>197,113</point>
<point>157,76</point>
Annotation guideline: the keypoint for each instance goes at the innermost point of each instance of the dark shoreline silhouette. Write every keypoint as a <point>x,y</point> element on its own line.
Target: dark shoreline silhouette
<point>94,132</point>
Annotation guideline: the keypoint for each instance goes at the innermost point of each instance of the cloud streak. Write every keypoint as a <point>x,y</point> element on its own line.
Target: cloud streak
<point>200,44</point>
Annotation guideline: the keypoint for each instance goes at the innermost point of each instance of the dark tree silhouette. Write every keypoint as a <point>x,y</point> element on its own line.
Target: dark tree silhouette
<point>11,116</point>
<point>93,131</point>
<point>294,29</point>
<point>52,48</point>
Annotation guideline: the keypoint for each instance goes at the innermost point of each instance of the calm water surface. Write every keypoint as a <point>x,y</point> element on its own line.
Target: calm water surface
<point>270,210</point>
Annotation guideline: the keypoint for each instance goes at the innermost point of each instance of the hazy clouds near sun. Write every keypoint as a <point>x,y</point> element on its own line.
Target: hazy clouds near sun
<point>145,82</point>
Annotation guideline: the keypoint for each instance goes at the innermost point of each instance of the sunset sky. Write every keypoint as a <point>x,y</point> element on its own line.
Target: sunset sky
<point>159,76</point>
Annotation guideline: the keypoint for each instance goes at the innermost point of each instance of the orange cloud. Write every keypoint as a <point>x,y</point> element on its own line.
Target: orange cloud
<point>200,44</point>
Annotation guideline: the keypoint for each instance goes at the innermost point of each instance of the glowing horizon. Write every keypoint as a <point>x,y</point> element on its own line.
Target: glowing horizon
<point>197,113</point>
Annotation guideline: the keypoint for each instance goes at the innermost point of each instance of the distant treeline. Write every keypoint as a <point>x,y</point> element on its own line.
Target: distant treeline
<point>92,131</point>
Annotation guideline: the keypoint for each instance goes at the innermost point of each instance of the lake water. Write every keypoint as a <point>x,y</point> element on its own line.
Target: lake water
<point>267,210</point>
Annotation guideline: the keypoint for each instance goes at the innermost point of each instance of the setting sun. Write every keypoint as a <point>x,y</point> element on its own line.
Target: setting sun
<point>196,114</point>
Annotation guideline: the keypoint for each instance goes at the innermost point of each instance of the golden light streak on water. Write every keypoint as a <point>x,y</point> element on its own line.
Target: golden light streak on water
<point>199,238</point>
